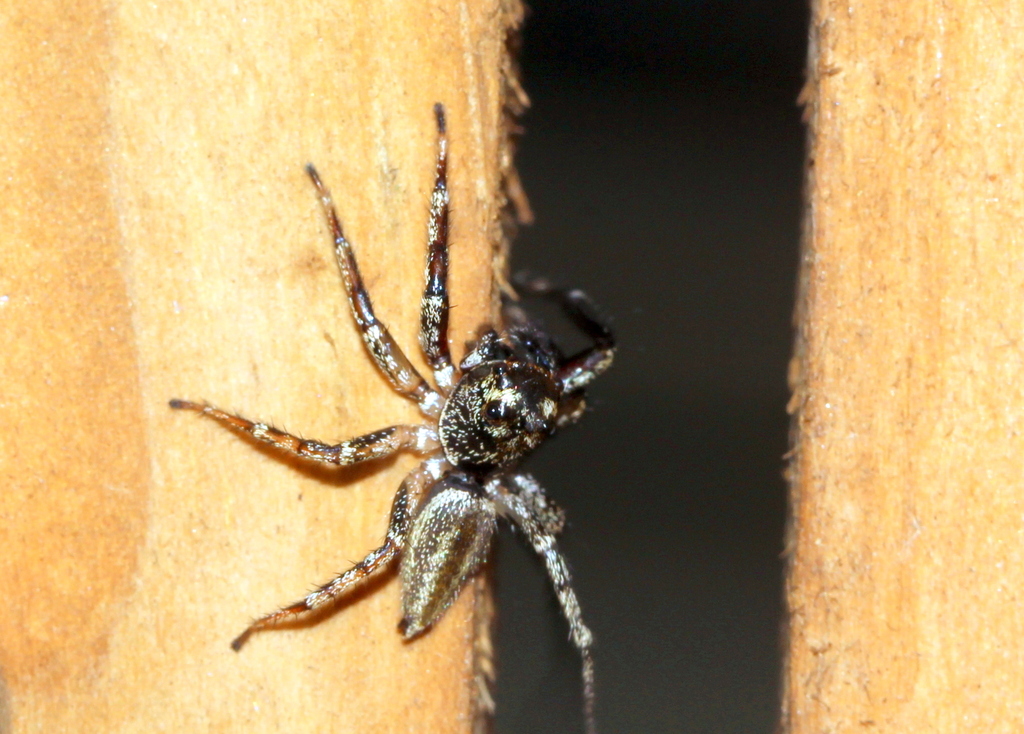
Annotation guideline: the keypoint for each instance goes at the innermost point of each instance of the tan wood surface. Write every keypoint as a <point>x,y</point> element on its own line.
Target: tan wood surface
<point>160,239</point>
<point>906,580</point>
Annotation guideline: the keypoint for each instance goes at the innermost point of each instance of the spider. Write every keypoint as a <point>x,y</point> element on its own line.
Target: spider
<point>512,390</point>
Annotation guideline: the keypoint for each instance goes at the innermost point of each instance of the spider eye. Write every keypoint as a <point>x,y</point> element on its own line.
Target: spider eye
<point>496,412</point>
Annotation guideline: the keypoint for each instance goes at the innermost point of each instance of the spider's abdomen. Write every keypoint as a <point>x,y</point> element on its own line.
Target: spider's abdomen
<point>448,541</point>
<point>497,413</point>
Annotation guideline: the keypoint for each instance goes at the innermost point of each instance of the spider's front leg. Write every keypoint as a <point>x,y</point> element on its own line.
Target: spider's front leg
<point>543,542</point>
<point>582,368</point>
<point>388,356</point>
<point>403,509</point>
<point>434,306</point>
<point>378,444</point>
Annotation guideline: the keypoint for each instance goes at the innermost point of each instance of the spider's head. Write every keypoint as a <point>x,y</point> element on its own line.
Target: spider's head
<point>498,412</point>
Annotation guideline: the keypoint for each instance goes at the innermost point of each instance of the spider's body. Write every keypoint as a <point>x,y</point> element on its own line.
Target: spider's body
<point>509,393</point>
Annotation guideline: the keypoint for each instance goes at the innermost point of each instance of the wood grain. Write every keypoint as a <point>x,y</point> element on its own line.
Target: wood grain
<point>160,239</point>
<point>906,576</point>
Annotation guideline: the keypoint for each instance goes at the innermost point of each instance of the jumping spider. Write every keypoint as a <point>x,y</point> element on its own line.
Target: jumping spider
<point>510,392</point>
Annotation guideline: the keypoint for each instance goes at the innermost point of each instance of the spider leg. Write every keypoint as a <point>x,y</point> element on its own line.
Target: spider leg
<point>539,505</point>
<point>543,543</point>
<point>434,306</point>
<point>362,448</point>
<point>582,368</point>
<point>386,353</point>
<point>403,508</point>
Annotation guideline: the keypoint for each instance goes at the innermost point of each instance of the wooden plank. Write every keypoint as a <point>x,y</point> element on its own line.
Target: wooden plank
<point>161,240</point>
<point>907,531</point>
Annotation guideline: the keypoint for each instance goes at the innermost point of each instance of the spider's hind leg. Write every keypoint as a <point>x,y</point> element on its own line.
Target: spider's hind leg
<point>403,509</point>
<point>538,504</point>
<point>543,542</point>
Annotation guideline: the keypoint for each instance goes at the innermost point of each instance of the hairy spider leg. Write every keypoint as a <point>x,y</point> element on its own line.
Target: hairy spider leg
<point>434,306</point>
<point>582,368</point>
<point>544,545</point>
<point>378,444</point>
<point>540,506</point>
<point>403,510</point>
<point>388,356</point>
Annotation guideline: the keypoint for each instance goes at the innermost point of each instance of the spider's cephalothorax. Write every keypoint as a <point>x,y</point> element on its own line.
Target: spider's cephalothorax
<point>497,412</point>
<point>510,392</point>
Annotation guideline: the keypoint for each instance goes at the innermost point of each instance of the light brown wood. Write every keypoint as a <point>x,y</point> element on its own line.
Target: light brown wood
<point>906,579</point>
<point>160,239</point>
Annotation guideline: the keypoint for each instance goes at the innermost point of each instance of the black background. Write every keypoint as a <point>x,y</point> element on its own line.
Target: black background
<point>663,158</point>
